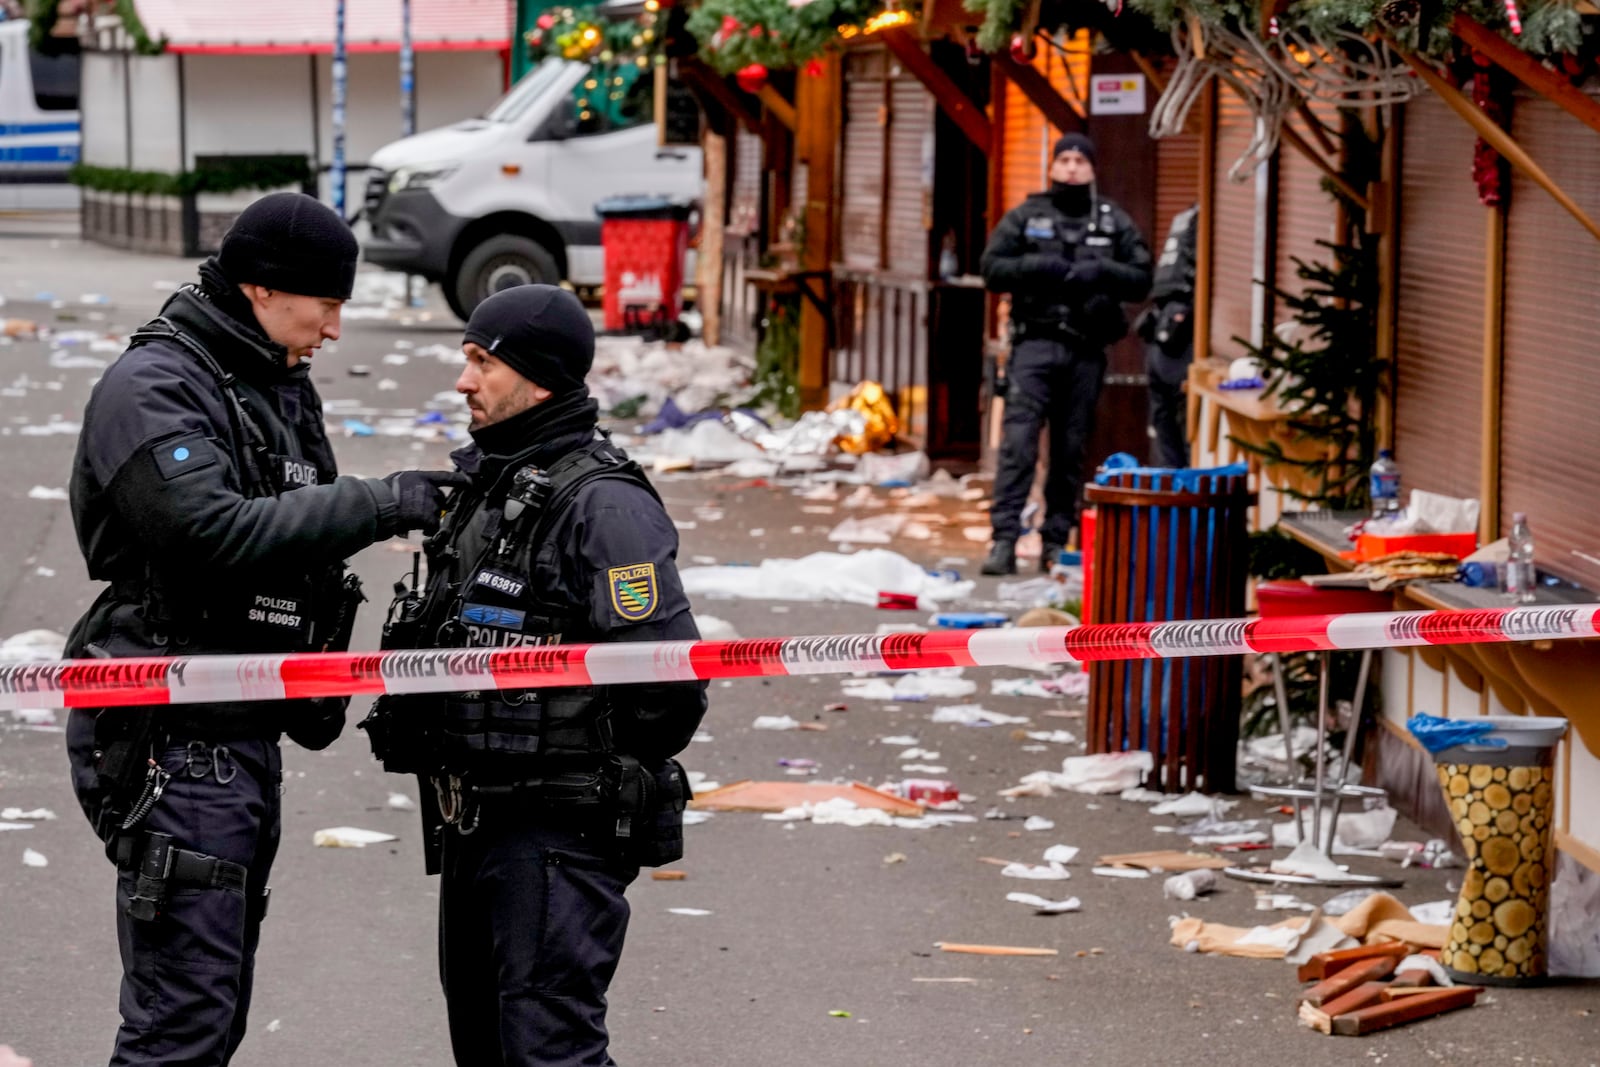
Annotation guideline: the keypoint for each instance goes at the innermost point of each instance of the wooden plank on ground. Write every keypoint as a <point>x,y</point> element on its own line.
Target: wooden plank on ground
<point>1405,1010</point>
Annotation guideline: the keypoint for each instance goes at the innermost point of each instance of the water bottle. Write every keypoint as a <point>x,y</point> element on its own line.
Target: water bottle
<point>1384,480</point>
<point>1522,579</point>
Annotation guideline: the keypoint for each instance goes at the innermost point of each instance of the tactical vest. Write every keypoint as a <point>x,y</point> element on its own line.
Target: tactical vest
<point>289,611</point>
<point>1092,316</point>
<point>483,593</point>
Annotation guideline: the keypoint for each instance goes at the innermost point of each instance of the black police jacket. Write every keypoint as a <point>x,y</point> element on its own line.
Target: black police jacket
<point>1068,275</point>
<point>214,541</point>
<point>595,565</point>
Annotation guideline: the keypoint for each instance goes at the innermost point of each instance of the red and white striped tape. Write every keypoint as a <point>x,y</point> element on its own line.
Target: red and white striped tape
<point>204,679</point>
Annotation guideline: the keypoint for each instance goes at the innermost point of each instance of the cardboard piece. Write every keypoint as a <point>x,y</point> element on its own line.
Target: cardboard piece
<point>781,796</point>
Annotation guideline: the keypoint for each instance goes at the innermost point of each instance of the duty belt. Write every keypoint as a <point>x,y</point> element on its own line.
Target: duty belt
<point>462,800</point>
<point>1022,330</point>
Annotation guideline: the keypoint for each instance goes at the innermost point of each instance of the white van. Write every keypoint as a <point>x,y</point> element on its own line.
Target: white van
<point>509,198</point>
<point>39,130</point>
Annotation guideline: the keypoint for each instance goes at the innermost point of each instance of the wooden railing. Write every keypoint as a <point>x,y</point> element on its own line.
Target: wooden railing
<point>741,302</point>
<point>881,335</point>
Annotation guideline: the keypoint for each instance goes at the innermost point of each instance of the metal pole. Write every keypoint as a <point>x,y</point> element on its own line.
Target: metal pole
<point>408,74</point>
<point>336,173</point>
<point>408,103</point>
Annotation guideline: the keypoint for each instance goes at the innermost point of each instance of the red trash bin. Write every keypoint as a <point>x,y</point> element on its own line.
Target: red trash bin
<point>645,239</point>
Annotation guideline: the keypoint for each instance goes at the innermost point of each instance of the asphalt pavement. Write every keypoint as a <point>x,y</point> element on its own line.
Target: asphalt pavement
<point>819,945</point>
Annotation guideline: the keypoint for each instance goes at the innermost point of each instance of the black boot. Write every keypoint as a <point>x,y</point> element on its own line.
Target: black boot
<point>1002,558</point>
<point>1047,558</point>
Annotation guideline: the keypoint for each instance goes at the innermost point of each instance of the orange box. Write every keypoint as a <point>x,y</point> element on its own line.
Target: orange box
<point>1371,546</point>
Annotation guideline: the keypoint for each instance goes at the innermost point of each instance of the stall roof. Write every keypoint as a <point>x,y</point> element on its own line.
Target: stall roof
<point>304,26</point>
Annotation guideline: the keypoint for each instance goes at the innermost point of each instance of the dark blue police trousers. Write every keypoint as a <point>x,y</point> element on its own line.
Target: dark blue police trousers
<point>187,975</point>
<point>1046,382</point>
<point>531,923</point>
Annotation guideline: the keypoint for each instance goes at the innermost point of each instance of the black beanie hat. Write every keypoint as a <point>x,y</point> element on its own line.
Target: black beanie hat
<point>541,331</point>
<point>292,242</point>
<point>1075,142</point>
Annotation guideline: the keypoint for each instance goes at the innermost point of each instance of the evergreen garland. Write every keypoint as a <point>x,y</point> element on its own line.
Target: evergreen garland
<point>582,33</point>
<point>999,22</point>
<point>44,14</point>
<point>776,34</point>
<point>1549,27</point>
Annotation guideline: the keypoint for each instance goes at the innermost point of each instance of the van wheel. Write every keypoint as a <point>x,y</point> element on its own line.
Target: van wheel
<point>499,263</point>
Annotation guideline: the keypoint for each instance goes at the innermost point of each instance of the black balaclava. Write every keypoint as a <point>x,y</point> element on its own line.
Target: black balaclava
<point>1073,200</point>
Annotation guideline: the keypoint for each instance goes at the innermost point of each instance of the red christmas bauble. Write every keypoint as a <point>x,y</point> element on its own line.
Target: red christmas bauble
<point>1021,48</point>
<point>545,21</point>
<point>730,24</point>
<point>814,68</point>
<point>752,78</point>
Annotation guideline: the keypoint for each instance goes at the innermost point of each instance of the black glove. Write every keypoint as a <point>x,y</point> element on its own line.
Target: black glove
<point>420,496</point>
<point>1046,267</point>
<point>1085,272</point>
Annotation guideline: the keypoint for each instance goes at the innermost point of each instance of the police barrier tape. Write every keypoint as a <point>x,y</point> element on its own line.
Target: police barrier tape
<point>205,679</point>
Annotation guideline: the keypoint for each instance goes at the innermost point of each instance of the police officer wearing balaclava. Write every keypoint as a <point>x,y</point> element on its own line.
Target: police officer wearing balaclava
<point>204,492</point>
<point>541,805</point>
<point>1070,259</point>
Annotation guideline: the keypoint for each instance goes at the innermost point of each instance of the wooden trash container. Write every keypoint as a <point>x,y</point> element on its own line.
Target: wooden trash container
<point>1170,545</point>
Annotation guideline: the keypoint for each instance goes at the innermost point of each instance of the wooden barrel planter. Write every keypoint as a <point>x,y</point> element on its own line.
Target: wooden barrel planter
<point>1164,550</point>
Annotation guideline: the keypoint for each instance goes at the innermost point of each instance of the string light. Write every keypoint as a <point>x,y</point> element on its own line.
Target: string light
<point>887,20</point>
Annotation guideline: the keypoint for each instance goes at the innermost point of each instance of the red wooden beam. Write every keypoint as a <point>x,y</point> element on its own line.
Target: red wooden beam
<point>967,115</point>
<point>1529,71</point>
<point>1037,88</point>
<point>707,84</point>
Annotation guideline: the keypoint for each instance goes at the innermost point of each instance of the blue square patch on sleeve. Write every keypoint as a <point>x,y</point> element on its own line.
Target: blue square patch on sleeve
<point>177,456</point>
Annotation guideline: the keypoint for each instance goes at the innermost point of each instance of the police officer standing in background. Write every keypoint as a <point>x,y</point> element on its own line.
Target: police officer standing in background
<point>204,491</point>
<point>1167,328</point>
<point>1070,259</point>
<point>548,802</point>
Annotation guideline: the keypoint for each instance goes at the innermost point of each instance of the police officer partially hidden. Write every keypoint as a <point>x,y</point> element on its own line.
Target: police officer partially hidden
<point>541,805</point>
<point>1069,259</point>
<point>204,491</point>
<point>1167,328</point>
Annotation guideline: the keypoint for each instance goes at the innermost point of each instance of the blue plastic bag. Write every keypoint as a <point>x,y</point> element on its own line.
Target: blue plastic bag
<point>1437,734</point>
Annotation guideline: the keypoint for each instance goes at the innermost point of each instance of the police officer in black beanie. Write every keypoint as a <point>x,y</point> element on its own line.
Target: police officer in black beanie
<point>1070,259</point>
<point>204,492</point>
<point>549,801</point>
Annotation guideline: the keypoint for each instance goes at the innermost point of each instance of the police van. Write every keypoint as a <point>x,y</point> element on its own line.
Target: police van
<point>509,198</point>
<point>39,129</point>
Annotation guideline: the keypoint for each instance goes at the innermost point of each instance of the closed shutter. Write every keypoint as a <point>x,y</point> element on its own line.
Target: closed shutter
<point>1549,432</point>
<point>909,204</point>
<point>1439,313</point>
<point>1177,180</point>
<point>1306,214</point>
<point>744,203</point>
<point>1233,229</point>
<point>862,168</point>
<point>1029,138</point>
